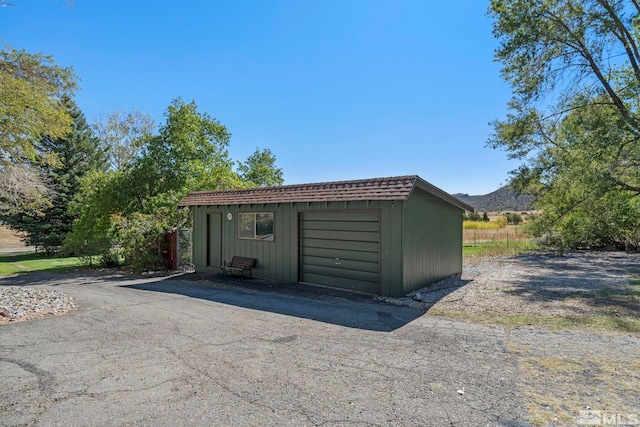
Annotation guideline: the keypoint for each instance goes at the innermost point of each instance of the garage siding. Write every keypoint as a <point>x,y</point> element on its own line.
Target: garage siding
<point>341,249</point>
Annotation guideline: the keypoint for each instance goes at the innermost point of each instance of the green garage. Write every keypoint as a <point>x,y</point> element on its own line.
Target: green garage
<point>385,236</point>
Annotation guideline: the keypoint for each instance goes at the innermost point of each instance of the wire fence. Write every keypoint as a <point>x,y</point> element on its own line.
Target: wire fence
<point>474,237</point>
<point>185,249</point>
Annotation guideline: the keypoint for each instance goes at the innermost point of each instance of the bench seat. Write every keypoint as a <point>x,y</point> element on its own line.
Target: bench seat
<point>239,264</point>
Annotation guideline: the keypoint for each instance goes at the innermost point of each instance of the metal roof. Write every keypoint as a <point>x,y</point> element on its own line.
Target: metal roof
<point>391,188</point>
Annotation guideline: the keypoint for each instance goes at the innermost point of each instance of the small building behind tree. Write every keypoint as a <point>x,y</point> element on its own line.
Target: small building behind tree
<point>385,236</point>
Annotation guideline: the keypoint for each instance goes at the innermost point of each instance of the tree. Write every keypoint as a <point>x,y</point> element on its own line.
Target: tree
<point>77,153</point>
<point>473,216</point>
<point>135,206</point>
<point>190,153</point>
<point>32,87</point>
<point>513,218</point>
<point>124,135</point>
<point>260,169</point>
<point>574,67</point>
<point>485,217</point>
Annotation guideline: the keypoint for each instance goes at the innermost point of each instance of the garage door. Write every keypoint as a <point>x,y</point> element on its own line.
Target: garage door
<point>341,249</point>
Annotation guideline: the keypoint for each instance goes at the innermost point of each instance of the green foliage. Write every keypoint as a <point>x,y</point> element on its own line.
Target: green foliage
<point>134,207</point>
<point>76,154</point>
<point>260,169</point>
<point>471,216</point>
<point>99,198</point>
<point>574,120</point>
<point>32,88</point>
<point>485,217</point>
<point>142,238</point>
<point>190,153</point>
<point>513,218</point>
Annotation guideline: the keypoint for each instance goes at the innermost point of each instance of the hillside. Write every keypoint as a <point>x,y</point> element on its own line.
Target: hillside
<point>503,199</point>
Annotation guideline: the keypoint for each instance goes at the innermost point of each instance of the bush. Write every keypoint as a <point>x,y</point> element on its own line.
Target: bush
<point>502,221</point>
<point>110,258</point>
<point>471,216</point>
<point>87,242</point>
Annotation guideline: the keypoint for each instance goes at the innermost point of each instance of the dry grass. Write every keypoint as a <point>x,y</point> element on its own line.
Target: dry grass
<point>560,387</point>
<point>589,305</point>
<point>9,237</point>
<point>509,233</point>
<point>10,241</point>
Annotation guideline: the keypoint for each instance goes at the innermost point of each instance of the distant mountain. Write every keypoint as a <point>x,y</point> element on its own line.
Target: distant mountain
<point>503,199</point>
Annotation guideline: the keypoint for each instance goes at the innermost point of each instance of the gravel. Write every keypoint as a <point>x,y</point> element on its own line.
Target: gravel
<point>580,283</point>
<point>24,303</point>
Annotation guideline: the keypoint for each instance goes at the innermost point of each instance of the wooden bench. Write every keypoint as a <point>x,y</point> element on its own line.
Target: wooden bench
<point>238,264</point>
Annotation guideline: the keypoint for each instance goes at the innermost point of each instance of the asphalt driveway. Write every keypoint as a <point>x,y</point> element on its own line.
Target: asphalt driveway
<point>165,351</point>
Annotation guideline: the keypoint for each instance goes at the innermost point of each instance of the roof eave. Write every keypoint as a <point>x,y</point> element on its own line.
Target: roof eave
<point>430,188</point>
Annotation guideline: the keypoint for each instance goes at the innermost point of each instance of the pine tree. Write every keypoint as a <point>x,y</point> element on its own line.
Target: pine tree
<point>75,155</point>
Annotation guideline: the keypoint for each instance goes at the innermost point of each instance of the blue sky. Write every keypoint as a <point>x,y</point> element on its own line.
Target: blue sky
<point>336,89</point>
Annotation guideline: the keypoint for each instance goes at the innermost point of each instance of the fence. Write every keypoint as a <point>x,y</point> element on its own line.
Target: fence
<point>185,244</point>
<point>507,234</point>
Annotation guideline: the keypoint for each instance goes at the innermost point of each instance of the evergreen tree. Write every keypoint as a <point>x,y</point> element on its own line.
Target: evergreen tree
<point>73,156</point>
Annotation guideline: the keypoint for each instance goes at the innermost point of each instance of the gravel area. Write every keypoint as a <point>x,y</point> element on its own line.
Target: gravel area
<point>24,303</point>
<point>575,284</point>
<point>573,322</point>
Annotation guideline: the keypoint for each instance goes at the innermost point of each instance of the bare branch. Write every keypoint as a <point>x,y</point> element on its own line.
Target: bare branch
<point>583,50</point>
<point>625,38</point>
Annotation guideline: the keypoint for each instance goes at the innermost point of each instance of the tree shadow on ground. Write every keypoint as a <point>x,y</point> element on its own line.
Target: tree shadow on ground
<point>55,277</point>
<point>597,282</point>
<point>332,306</point>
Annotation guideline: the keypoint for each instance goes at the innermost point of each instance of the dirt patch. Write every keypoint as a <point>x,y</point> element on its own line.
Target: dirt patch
<point>12,242</point>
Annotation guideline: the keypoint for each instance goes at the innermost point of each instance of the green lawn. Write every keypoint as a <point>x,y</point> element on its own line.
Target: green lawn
<point>24,263</point>
<point>497,248</point>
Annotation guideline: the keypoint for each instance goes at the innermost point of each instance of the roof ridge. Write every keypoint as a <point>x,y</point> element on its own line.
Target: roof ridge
<point>310,184</point>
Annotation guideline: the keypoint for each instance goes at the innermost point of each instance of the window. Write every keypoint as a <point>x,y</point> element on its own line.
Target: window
<point>255,226</point>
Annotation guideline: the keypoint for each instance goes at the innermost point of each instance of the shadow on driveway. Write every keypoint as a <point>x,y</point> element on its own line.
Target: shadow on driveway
<point>323,305</point>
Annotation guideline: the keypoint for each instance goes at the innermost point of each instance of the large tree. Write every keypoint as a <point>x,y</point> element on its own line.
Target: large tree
<point>574,121</point>
<point>134,206</point>
<point>32,87</point>
<point>123,135</point>
<point>77,153</point>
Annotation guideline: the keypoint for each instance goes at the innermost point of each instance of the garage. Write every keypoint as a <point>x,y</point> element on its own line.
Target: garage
<point>383,236</point>
<point>341,249</point>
